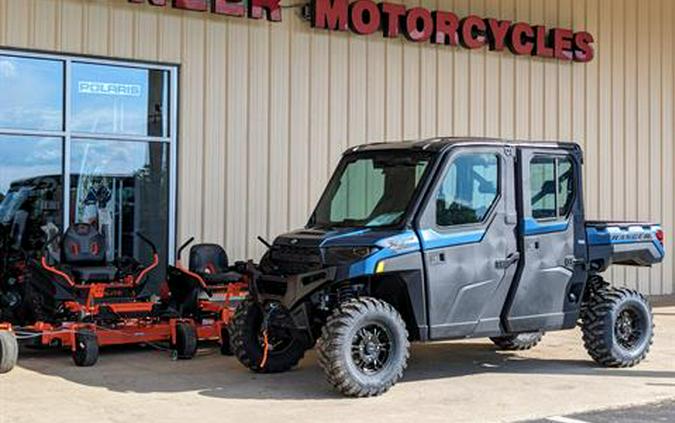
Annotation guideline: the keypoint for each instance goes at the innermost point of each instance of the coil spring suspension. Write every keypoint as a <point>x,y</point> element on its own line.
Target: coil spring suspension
<point>345,292</point>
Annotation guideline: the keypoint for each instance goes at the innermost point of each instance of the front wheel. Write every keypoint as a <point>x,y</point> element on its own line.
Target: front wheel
<point>185,344</point>
<point>364,347</point>
<point>86,349</point>
<point>617,327</point>
<point>248,339</point>
<point>9,351</point>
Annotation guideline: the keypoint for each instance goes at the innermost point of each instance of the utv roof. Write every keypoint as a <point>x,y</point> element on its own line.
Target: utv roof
<point>444,143</point>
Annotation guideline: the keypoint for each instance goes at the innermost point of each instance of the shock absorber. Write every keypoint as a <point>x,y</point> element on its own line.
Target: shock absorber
<point>345,291</point>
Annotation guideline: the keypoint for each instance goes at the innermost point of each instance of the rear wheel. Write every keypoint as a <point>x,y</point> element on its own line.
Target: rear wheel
<point>185,344</point>
<point>247,341</point>
<point>364,347</point>
<point>518,342</point>
<point>9,351</point>
<point>86,349</point>
<point>617,327</point>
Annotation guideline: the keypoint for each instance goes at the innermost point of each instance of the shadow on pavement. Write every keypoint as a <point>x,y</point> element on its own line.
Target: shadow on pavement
<point>144,370</point>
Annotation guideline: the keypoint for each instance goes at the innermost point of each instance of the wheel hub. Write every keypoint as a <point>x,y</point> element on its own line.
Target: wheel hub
<point>627,329</point>
<point>371,348</point>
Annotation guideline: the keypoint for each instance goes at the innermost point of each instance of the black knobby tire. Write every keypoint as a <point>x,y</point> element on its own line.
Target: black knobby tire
<point>86,349</point>
<point>349,362</point>
<point>9,351</point>
<point>246,342</point>
<point>617,327</point>
<point>518,342</point>
<point>185,344</point>
<point>225,343</point>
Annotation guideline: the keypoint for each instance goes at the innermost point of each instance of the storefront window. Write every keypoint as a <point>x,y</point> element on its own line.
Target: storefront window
<point>122,189</point>
<point>32,93</point>
<point>114,144</point>
<point>119,100</point>
<point>30,192</point>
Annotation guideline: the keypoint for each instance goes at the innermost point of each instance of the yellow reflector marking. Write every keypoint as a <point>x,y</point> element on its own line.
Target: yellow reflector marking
<point>380,267</point>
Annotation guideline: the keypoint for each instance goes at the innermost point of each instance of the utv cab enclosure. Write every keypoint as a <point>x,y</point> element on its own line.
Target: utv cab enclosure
<point>444,239</point>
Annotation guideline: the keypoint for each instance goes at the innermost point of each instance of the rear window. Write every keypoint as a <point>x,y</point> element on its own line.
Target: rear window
<point>552,187</point>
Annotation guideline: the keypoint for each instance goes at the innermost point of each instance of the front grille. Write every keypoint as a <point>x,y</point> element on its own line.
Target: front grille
<point>272,287</point>
<point>294,260</point>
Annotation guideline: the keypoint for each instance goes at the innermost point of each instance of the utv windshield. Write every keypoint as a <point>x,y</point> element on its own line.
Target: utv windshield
<point>371,189</point>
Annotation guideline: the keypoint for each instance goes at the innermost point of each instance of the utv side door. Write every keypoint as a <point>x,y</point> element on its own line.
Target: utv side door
<point>467,229</point>
<point>547,292</point>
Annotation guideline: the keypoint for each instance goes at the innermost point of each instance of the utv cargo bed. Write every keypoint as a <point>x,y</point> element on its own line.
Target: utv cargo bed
<point>627,243</point>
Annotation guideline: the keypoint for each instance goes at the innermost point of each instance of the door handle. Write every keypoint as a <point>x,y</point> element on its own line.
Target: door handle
<point>571,262</point>
<point>508,261</point>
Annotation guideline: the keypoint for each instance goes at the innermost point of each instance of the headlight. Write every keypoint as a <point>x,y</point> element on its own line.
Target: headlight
<point>346,255</point>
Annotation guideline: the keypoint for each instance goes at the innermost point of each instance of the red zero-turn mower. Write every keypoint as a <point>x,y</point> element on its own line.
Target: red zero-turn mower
<point>208,291</point>
<point>84,302</point>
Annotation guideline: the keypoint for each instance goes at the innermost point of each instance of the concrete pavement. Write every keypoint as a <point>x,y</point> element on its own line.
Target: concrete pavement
<point>451,381</point>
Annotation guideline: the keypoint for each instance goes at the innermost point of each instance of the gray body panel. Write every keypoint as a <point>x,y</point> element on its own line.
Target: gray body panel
<point>551,275</point>
<point>466,287</point>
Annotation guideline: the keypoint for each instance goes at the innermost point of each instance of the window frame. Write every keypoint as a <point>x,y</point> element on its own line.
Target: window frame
<point>556,161</point>
<point>441,181</point>
<point>67,135</point>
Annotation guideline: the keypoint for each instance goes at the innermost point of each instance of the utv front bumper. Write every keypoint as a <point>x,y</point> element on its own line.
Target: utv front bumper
<point>288,291</point>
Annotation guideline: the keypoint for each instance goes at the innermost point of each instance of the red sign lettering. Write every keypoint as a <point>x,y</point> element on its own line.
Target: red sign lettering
<point>256,9</point>
<point>420,24</point>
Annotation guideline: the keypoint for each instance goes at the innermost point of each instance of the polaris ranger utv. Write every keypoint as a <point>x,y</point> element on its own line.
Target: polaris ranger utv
<point>444,239</point>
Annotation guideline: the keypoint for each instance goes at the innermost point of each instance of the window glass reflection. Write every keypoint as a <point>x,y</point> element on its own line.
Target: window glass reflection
<point>119,100</point>
<point>30,193</point>
<point>122,188</point>
<point>32,93</point>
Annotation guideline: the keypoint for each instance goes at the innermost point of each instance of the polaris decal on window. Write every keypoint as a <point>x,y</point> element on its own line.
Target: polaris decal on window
<point>109,88</point>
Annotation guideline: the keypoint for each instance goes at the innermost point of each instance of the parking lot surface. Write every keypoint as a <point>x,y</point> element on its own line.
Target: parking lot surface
<point>450,381</point>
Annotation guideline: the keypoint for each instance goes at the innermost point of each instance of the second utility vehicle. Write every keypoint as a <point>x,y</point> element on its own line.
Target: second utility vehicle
<point>444,239</point>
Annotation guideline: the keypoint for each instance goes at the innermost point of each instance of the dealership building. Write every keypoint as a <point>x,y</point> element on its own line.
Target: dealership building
<point>223,120</point>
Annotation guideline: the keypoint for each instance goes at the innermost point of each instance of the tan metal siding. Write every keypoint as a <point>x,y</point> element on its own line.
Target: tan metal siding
<point>266,109</point>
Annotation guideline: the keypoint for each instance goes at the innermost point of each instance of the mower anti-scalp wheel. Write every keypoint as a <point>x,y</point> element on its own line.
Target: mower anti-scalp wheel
<point>186,341</point>
<point>364,347</point>
<point>519,342</point>
<point>617,327</point>
<point>9,351</point>
<point>246,341</point>
<point>86,349</point>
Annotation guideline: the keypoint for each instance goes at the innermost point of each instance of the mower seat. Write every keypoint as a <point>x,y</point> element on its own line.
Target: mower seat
<point>211,263</point>
<point>84,252</point>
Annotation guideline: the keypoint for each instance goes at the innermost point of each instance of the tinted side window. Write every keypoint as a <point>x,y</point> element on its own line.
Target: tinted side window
<point>552,186</point>
<point>543,187</point>
<point>469,189</point>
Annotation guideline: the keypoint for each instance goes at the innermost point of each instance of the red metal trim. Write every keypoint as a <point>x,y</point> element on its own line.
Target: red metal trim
<point>130,307</point>
<point>155,262</point>
<point>199,279</point>
<point>56,271</point>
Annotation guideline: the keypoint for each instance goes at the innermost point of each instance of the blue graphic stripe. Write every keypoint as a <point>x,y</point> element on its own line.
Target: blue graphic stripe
<point>432,240</point>
<point>533,227</point>
<point>615,235</point>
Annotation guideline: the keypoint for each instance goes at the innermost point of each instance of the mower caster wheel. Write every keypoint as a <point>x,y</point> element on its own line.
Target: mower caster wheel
<point>225,348</point>
<point>86,349</point>
<point>9,351</point>
<point>186,341</point>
